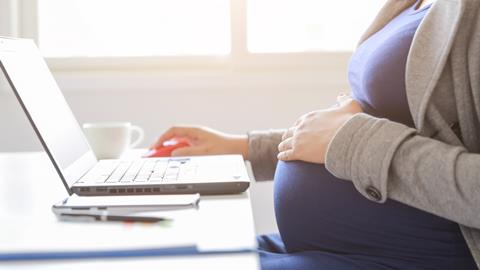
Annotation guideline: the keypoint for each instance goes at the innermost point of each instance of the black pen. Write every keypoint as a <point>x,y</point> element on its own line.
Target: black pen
<point>124,218</point>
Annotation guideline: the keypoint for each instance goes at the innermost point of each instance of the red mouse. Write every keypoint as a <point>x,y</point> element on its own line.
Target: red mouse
<point>167,148</point>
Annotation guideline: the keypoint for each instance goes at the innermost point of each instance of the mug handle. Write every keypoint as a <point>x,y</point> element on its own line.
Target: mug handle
<point>140,135</point>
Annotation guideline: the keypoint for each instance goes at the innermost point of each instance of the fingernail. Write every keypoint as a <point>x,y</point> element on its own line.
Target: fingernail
<point>149,153</point>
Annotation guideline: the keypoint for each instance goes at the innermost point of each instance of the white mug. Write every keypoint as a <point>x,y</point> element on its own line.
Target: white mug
<point>111,139</point>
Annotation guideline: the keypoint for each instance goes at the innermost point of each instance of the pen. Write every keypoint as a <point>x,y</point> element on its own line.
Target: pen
<point>107,217</point>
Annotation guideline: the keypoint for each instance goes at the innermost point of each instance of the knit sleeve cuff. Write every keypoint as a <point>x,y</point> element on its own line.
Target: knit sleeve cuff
<point>362,151</point>
<point>262,152</point>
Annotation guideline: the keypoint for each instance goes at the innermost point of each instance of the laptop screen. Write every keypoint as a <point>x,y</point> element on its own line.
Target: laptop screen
<point>46,108</point>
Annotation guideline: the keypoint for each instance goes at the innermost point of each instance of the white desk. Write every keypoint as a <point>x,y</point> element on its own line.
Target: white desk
<point>29,186</point>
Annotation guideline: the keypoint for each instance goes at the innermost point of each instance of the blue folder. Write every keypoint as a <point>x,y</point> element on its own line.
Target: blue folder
<point>160,252</point>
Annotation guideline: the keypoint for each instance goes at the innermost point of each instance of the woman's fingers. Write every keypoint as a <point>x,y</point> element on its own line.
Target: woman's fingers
<point>288,133</point>
<point>285,145</point>
<point>286,155</point>
<point>172,133</point>
<point>285,149</point>
<point>303,118</point>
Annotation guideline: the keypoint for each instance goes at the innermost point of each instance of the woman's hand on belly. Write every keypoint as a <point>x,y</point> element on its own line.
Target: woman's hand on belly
<point>308,139</point>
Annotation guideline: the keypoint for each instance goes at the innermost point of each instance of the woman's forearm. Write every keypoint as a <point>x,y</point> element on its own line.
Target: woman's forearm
<point>388,157</point>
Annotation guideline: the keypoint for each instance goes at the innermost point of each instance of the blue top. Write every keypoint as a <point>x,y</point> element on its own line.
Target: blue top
<point>377,69</point>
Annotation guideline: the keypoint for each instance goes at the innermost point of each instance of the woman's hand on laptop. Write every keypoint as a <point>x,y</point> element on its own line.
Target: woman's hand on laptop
<point>204,141</point>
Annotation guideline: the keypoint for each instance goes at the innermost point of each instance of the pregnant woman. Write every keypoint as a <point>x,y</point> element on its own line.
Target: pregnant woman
<point>389,177</point>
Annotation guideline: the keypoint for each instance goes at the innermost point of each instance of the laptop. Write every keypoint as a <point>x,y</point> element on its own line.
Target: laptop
<point>62,138</point>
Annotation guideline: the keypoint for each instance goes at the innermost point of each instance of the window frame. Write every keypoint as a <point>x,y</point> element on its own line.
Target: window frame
<point>26,21</point>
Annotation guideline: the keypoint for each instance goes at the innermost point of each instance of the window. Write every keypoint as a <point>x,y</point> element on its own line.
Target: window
<point>92,28</point>
<point>307,25</point>
<point>237,30</point>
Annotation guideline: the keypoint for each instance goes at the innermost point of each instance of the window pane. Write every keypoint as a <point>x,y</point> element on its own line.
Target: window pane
<point>133,27</point>
<point>307,25</point>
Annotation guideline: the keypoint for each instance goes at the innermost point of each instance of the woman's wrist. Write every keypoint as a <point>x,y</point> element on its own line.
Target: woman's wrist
<point>350,105</point>
<point>239,145</point>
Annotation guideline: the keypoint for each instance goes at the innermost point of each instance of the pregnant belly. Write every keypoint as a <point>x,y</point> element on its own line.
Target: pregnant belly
<point>317,211</point>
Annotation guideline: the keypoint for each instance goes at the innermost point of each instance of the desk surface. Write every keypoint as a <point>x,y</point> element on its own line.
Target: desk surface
<point>29,186</point>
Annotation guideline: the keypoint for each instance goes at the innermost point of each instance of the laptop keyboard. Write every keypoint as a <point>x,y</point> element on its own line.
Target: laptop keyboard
<point>139,171</point>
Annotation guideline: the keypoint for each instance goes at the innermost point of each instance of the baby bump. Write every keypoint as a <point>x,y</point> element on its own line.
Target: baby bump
<point>317,211</point>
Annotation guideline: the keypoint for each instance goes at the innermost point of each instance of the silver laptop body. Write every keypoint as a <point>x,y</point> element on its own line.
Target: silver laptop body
<point>62,138</point>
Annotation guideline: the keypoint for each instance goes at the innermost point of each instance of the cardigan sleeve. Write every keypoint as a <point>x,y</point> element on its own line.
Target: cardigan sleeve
<point>262,152</point>
<point>385,159</point>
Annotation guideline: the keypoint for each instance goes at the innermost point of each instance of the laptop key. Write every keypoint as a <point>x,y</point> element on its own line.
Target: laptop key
<point>160,164</point>
<point>141,179</point>
<point>127,178</point>
<point>174,163</point>
<point>112,180</point>
<point>170,177</point>
<point>155,179</point>
<point>101,178</point>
